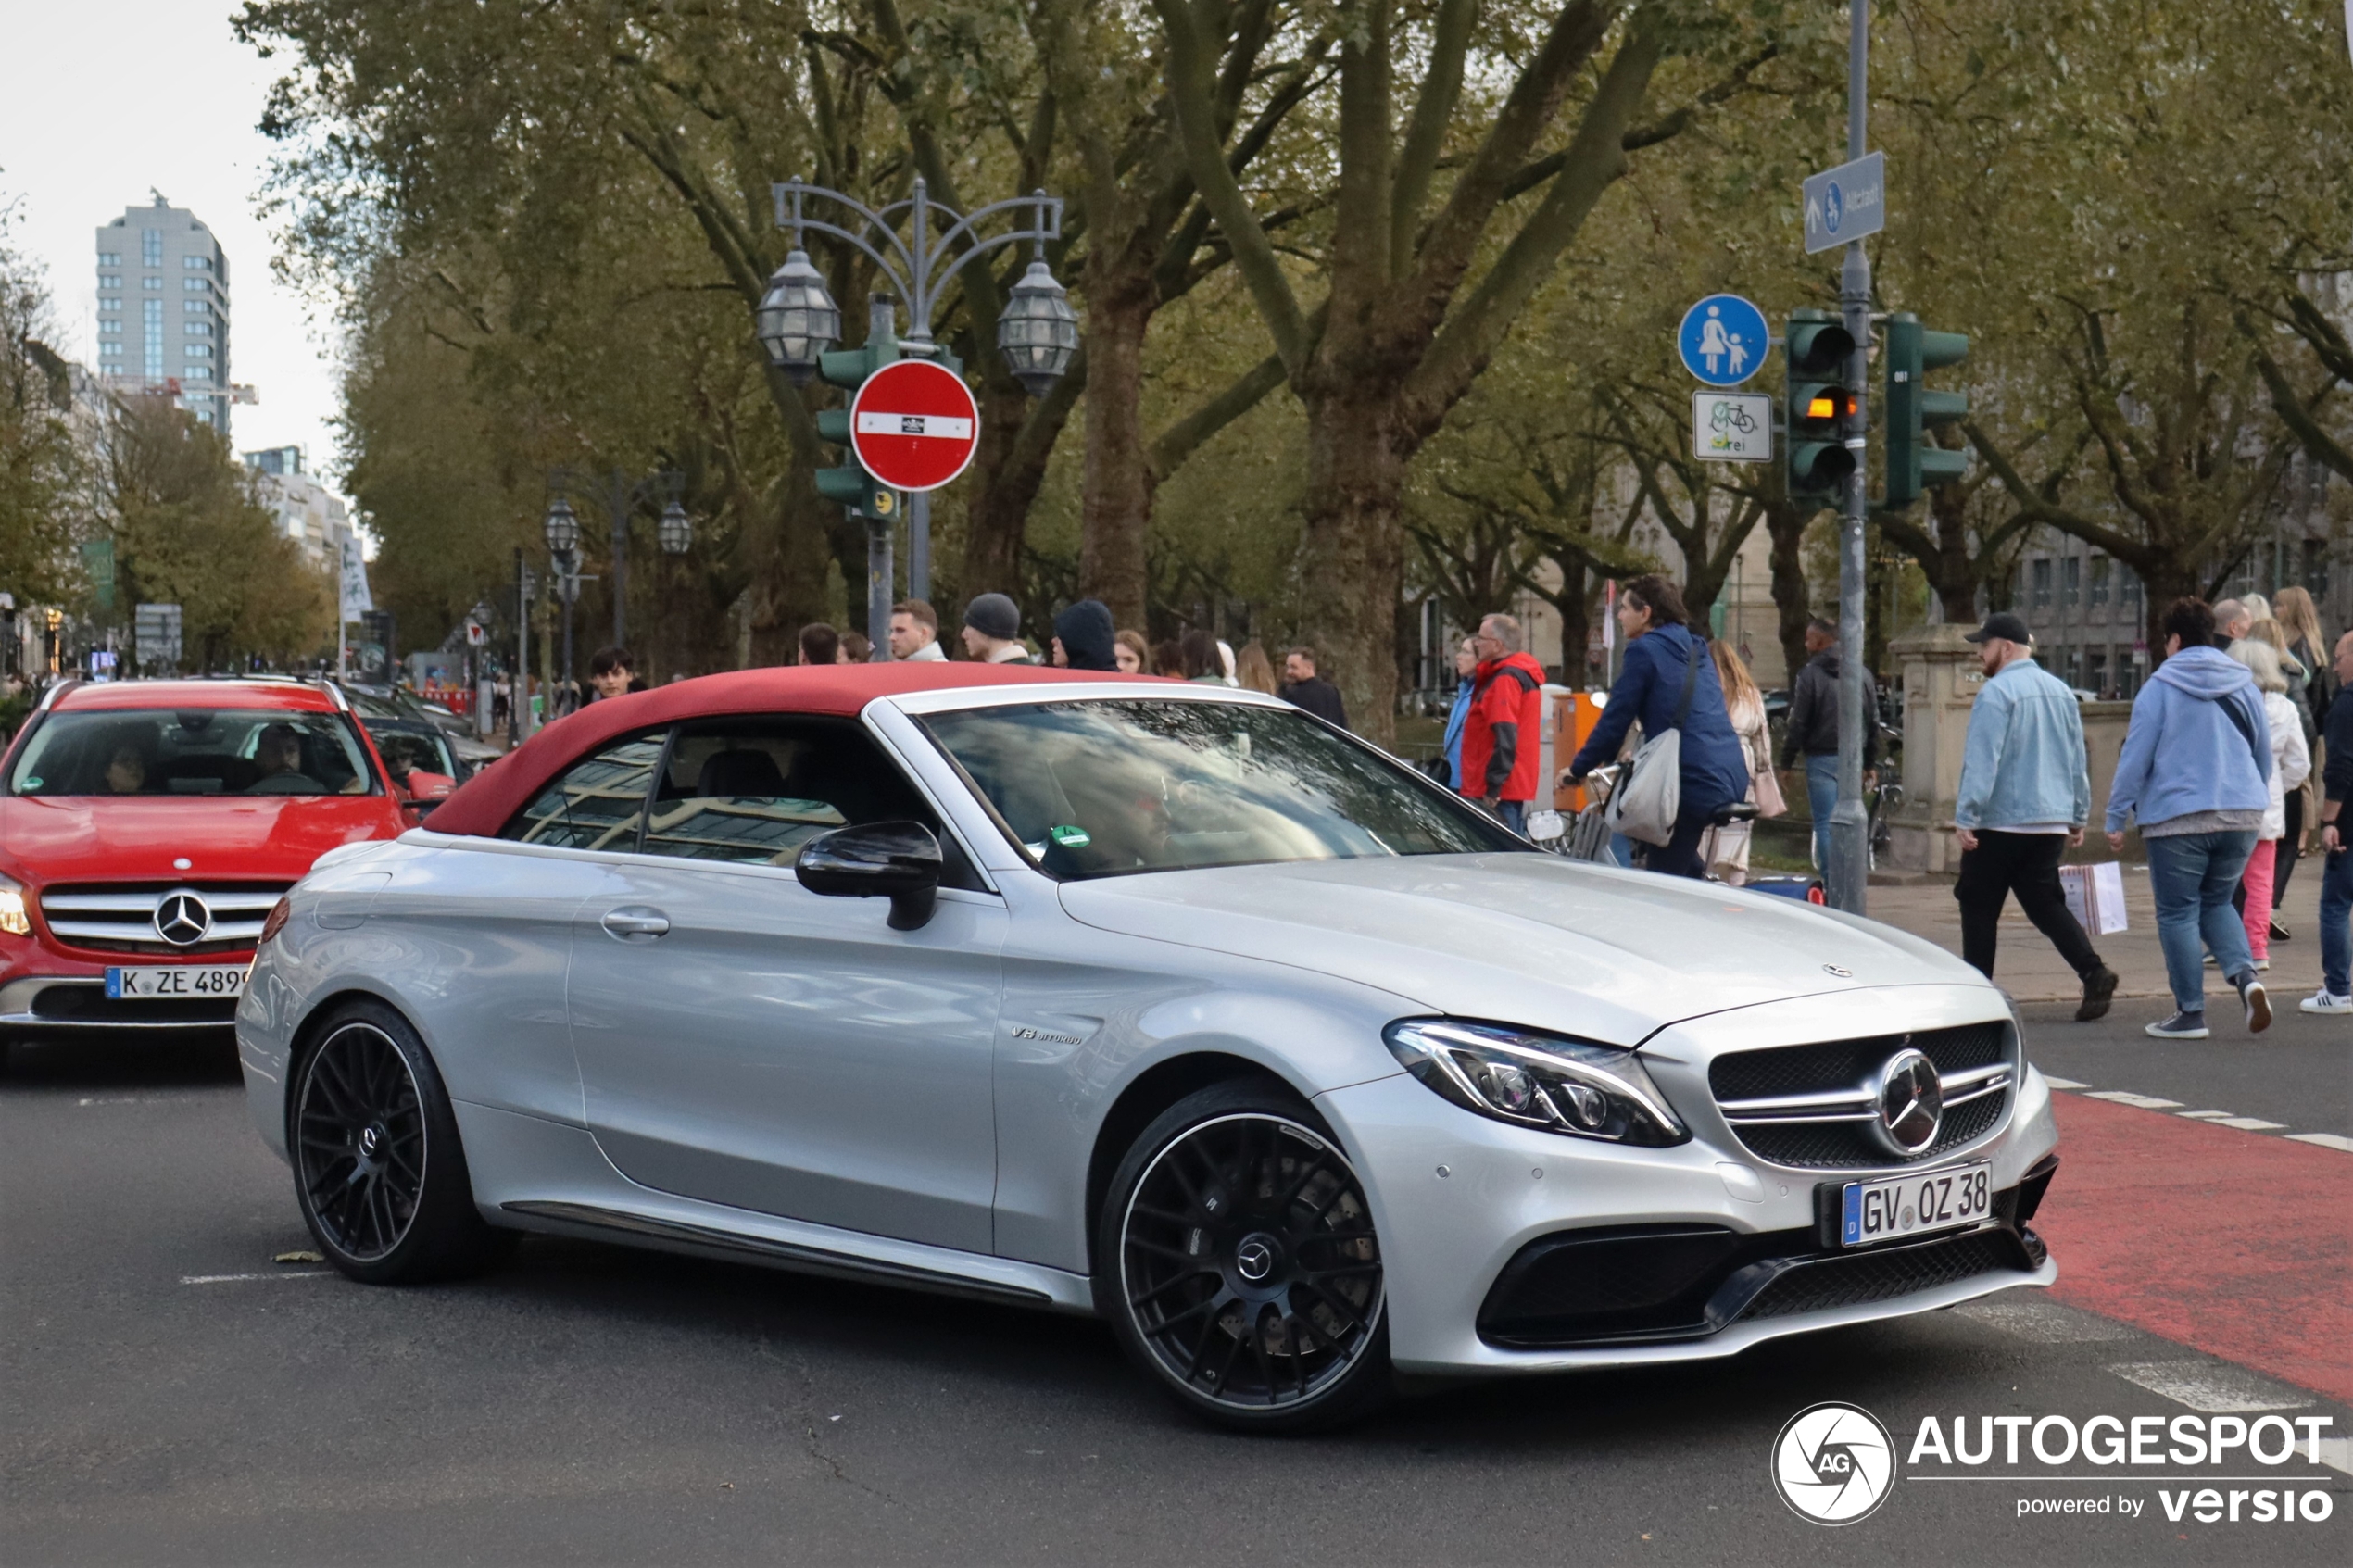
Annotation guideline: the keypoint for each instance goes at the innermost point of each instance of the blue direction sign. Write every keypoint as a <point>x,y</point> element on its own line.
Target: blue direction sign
<point>1723,340</point>
<point>1846,203</point>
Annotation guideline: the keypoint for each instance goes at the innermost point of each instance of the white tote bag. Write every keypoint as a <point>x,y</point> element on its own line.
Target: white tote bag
<point>1646,801</point>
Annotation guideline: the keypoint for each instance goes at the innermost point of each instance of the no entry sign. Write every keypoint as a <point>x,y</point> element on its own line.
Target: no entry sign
<point>913,425</point>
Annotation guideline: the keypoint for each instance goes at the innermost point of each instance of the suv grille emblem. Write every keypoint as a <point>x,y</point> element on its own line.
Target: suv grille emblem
<point>182,920</point>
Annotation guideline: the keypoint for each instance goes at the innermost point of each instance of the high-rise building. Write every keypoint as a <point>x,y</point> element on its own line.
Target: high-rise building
<point>163,308</point>
<point>306,512</point>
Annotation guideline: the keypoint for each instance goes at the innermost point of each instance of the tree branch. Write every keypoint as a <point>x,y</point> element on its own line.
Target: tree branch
<point>1425,131</point>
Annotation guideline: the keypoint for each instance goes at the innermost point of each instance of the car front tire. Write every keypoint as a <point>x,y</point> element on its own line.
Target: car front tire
<point>379,1172</point>
<point>1236,1261</point>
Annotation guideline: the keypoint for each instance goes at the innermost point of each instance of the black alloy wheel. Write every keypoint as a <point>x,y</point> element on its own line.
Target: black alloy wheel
<point>378,1170</point>
<point>1248,1274</point>
<point>362,1135</point>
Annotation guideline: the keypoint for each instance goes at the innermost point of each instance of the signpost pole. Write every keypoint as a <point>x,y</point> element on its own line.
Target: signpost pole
<point>1848,871</point>
<point>919,545</point>
<point>879,568</point>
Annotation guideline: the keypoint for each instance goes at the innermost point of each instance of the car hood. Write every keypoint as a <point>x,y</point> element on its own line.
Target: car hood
<point>78,838</point>
<point>1534,940</point>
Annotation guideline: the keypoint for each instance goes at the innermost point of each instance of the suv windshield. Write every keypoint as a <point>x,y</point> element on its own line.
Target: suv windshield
<point>1101,788</point>
<point>193,751</point>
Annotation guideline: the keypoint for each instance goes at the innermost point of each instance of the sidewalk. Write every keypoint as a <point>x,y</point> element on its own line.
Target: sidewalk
<point>2028,967</point>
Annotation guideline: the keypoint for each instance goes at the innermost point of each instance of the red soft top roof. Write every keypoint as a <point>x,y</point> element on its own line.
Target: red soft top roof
<point>119,694</point>
<point>484,802</point>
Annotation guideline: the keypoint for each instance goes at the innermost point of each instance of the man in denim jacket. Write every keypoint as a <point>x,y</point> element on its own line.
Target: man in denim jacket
<point>2025,795</point>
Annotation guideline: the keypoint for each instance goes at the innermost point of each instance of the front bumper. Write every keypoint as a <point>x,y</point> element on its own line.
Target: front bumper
<point>1459,1198</point>
<point>76,1003</point>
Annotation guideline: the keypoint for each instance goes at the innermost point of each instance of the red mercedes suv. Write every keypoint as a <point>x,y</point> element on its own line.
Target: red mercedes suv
<point>149,827</point>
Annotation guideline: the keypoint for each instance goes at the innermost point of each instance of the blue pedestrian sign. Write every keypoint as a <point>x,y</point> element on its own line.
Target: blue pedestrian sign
<point>1723,340</point>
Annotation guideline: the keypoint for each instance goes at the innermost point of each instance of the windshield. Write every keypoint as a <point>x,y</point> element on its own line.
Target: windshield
<point>193,751</point>
<point>406,747</point>
<point>1104,788</point>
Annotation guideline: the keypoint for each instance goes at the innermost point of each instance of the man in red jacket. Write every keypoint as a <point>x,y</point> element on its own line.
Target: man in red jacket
<point>1506,725</point>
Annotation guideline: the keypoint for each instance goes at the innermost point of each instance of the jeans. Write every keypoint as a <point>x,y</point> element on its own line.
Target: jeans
<point>1514,814</point>
<point>1822,798</point>
<point>1680,855</point>
<point>2191,875</point>
<point>2026,864</point>
<point>2337,935</point>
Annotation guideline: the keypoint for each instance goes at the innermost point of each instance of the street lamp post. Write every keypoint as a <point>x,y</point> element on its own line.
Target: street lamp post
<point>798,322</point>
<point>621,496</point>
<point>563,529</point>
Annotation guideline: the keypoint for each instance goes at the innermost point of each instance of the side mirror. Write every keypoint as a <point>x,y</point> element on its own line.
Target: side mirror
<point>429,787</point>
<point>894,860</point>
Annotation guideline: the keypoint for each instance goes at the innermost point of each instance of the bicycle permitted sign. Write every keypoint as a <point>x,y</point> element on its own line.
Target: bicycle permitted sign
<point>1732,427</point>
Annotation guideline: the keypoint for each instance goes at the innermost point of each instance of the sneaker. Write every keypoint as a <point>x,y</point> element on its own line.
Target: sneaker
<point>2279,932</point>
<point>2262,964</point>
<point>2324,1000</point>
<point>2258,1006</point>
<point>2211,963</point>
<point>2181,1026</point>
<point>2098,986</point>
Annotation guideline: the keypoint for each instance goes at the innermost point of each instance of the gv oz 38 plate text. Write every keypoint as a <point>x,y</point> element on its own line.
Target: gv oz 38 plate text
<point>1933,1200</point>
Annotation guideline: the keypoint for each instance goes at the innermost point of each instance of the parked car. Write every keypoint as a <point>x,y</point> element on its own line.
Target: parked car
<point>146,830</point>
<point>1156,1001</point>
<point>395,709</point>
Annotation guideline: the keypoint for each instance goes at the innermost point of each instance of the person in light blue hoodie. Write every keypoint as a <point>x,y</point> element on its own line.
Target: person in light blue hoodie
<point>2196,771</point>
<point>1466,673</point>
<point>2025,795</point>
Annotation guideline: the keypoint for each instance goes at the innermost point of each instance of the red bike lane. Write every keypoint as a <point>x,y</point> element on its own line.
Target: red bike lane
<point>2226,1241</point>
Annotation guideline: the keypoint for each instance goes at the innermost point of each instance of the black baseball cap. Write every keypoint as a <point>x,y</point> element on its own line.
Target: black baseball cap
<point>2003,625</point>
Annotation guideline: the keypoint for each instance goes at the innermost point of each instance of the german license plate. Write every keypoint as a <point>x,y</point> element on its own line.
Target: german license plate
<point>197,982</point>
<point>1933,1200</point>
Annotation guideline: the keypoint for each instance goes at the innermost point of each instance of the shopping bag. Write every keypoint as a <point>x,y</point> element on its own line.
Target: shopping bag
<point>2096,896</point>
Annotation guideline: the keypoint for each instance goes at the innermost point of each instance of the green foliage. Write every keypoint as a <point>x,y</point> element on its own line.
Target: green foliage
<point>42,467</point>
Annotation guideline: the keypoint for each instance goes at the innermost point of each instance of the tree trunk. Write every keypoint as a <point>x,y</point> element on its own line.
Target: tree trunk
<point>1786,526</point>
<point>1952,576</point>
<point>789,582</point>
<point>1577,620</point>
<point>1353,550</point>
<point>999,511</point>
<point>1116,505</point>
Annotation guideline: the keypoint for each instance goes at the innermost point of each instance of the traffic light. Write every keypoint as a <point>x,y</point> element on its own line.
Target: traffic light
<point>1814,348</point>
<point>848,368</point>
<point>1914,461</point>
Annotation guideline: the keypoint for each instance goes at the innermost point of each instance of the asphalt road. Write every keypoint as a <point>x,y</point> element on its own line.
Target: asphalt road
<point>591,1404</point>
<point>2299,1072</point>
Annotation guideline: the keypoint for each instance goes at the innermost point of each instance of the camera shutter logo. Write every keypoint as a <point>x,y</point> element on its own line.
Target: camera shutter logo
<point>1833,1463</point>
<point>182,920</point>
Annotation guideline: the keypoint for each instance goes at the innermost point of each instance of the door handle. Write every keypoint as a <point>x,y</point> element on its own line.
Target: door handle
<point>626,923</point>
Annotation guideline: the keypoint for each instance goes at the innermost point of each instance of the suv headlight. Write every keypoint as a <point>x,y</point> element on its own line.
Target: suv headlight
<point>1547,1082</point>
<point>14,918</point>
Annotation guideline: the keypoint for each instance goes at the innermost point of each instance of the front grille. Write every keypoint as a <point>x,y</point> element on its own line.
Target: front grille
<point>1883,1275</point>
<point>90,1004</point>
<point>1765,1094</point>
<point>1848,1145</point>
<point>120,917</point>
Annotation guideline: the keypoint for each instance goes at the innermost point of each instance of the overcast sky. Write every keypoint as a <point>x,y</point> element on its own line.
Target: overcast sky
<point>106,98</point>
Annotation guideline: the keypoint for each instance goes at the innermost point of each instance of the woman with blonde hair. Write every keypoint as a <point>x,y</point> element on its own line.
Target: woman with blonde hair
<point>2291,764</point>
<point>2299,624</point>
<point>1255,671</point>
<point>1725,851</point>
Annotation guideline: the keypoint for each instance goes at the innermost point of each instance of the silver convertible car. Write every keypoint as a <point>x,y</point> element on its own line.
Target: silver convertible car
<point>1161,1002</point>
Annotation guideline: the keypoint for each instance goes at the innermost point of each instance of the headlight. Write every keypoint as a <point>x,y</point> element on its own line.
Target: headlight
<point>1544,1081</point>
<point>14,920</point>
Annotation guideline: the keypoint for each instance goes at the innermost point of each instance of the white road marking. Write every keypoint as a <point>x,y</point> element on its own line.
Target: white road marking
<point>2250,1123</point>
<point>275,1273</point>
<point>2044,1323</point>
<point>2216,1391</point>
<point>2063,1082</point>
<point>2141,1102</point>
<point>2203,1115</point>
<point>2337,1453</point>
<point>2327,1141</point>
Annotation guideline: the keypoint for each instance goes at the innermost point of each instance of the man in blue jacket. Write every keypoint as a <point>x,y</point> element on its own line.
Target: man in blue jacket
<point>2195,770</point>
<point>2025,795</point>
<point>1659,650</point>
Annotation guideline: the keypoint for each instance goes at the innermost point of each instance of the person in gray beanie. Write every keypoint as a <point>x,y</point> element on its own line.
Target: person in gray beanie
<point>992,631</point>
